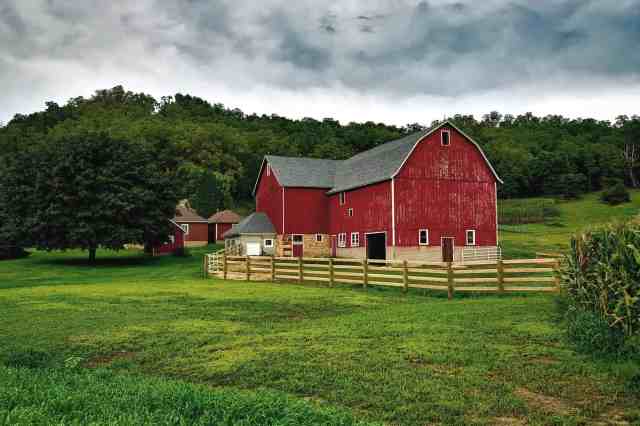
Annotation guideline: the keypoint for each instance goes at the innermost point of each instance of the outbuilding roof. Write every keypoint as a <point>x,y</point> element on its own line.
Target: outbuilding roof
<point>375,165</point>
<point>186,214</point>
<point>225,216</point>
<point>255,223</point>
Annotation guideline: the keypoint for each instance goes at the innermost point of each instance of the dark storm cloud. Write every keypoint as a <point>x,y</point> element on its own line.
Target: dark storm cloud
<point>384,48</point>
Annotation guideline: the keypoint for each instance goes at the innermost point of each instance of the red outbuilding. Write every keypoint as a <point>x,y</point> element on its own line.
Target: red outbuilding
<point>431,195</point>
<point>196,228</point>
<point>175,243</point>
<point>221,222</point>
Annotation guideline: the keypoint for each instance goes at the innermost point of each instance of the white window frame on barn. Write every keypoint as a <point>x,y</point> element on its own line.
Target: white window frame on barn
<point>268,170</point>
<point>426,234</point>
<point>319,238</point>
<point>342,198</point>
<point>342,239</point>
<point>467,233</point>
<point>350,212</point>
<point>185,228</point>
<point>355,242</point>
<point>442,133</point>
<point>268,242</point>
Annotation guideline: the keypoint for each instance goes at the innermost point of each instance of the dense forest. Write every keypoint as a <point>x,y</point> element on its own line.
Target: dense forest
<point>220,149</point>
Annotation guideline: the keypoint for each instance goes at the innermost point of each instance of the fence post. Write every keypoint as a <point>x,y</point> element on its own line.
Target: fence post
<point>405,276</point>
<point>224,266</point>
<point>449,281</point>
<point>300,275</point>
<point>500,276</point>
<point>365,273</point>
<point>248,266</point>
<point>205,267</point>
<point>273,269</point>
<point>330,272</point>
<point>556,270</point>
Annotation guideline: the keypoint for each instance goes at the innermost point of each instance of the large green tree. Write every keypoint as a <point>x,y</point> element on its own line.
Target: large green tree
<point>86,189</point>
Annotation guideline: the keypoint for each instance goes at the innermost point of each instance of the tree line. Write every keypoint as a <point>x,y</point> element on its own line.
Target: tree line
<point>210,154</point>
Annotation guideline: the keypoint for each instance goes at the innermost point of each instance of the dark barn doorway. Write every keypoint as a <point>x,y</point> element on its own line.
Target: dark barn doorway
<point>447,249</point>
<point>377,246</point>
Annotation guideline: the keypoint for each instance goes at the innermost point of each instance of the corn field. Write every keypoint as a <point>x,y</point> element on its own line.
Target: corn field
<point>602,274</point>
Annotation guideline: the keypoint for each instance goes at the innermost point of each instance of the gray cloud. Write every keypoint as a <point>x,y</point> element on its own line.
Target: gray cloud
<point>391,50</point>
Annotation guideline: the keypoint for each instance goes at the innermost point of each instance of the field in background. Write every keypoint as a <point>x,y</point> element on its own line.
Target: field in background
<point>522,241</point>
<point>380,355</point>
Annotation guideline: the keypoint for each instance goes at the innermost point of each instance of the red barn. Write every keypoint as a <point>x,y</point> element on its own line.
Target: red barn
<point>221,222</point>
<point>175,243</point>
<point>196,228</point>
<point>425,196</point>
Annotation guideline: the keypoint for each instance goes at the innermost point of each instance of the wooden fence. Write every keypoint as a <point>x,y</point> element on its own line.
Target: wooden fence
<point>516,275</point>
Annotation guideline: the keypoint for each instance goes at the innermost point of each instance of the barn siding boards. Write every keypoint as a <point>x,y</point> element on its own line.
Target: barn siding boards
<point>371,211</point>
<point>198,234</point>
<point>269,199</point>
<point>306,211</point>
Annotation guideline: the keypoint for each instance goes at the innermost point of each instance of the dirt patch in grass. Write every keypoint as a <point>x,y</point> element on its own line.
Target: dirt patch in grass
<point>544,360</point>
<point>105,360</point>
<point>508,421</point>
<point>543,403</point>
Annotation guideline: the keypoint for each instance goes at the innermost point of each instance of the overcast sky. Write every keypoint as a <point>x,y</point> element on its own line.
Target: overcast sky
<point>395,61</point>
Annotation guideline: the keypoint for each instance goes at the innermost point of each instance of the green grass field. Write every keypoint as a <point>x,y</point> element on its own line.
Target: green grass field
<point>523,241</point>
<point>148,341</point>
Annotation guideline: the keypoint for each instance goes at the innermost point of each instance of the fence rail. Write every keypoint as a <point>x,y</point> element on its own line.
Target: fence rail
<point>514,275</point>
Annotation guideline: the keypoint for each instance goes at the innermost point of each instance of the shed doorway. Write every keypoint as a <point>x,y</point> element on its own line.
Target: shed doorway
<point>377,246</point>
<point>297,242</point>
<point>447,249</point>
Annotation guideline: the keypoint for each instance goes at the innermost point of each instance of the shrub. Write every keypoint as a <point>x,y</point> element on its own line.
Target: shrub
<point>591,333</point>
<point>602,278</point>
<point>616,194</point>
<point>521,211</point>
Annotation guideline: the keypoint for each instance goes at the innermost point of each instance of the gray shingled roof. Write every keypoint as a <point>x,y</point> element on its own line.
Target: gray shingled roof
<point>303,172</point>
<point>375,165</point>
<point>255,223</point>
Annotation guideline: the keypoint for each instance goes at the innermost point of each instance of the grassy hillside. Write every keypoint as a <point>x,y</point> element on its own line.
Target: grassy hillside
<point>312,351</point>
<point>553,236</point>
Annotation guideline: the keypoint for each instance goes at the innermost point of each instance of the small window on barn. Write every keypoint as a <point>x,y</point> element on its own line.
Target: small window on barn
<point>471,237</point>
<point>350,212</point>
<point>342,198</point>
<point>318,238</point>
<point>268,242</point>
<point>423,237</point>
<point>355,239</point>
<point>446,138</point>
<point>185,228</point>
<point>268,170</point>
<point>342,239</point>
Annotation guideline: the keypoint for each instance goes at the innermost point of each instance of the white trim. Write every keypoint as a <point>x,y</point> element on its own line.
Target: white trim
<point>393,211</point>
<point>342,239</point>
<point>420,243</point>
<point>463,134</point>
<point>350,212</point>
<point>268,171</point>
<point>357,235</point>
<point>497,233</point>
<point>448,132</point>
<point>264,242</point>
<point>453,249</point>
<point>321,238</point>
<point>283,211</point>
<point>215,236</point>
<point>185,228</point>
<point>342,198</point>
<point>466,237</point>
<point>177,225</point>
<point>301,243</point>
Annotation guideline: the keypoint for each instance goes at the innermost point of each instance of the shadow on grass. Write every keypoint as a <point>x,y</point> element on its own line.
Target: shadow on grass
<point>116,261</point>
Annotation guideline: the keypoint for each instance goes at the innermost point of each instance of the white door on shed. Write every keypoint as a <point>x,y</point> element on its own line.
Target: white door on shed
<point>253,249</point>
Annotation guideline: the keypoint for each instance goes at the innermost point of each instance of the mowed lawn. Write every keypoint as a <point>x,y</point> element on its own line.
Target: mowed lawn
<point>575,216</point>
<point>382,356</point>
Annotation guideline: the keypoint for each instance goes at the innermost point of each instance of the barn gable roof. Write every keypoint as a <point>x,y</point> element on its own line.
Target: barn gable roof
<point>225,216</point>
<point>186,214</point>
<point>255,223</point>
<point>375,165</point>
